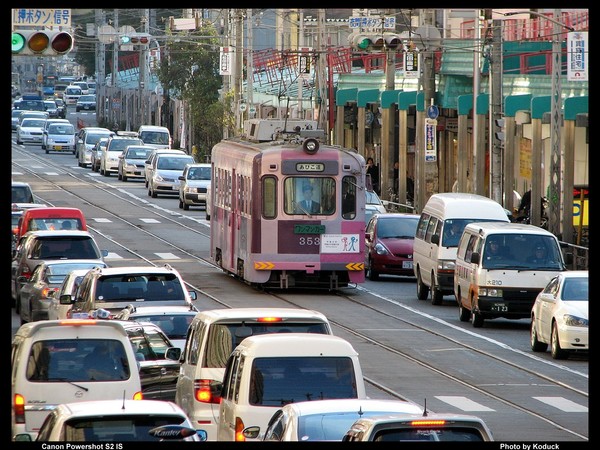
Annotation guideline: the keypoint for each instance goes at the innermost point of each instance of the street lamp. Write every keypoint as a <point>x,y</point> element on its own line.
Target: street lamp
<point>555,125</point>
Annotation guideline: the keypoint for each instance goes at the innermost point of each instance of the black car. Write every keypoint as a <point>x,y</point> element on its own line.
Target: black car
<point>157,373</point>
<point>86,102</point>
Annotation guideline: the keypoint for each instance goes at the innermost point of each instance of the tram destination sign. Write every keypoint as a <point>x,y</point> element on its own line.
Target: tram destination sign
<point>309,229</point>
<point>310,167</point>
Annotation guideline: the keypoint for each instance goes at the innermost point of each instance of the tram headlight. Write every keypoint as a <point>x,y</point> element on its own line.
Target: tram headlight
<point>310,146</point>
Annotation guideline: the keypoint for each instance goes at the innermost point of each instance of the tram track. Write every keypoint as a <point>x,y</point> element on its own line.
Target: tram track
<point>169,218</point>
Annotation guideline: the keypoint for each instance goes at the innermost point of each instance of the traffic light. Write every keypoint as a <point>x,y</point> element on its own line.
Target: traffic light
<point>134,39</point>
<point>375,41</point>
<point>41,42</point>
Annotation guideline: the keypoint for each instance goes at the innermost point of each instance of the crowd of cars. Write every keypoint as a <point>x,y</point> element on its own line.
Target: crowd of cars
<point>203,373</point>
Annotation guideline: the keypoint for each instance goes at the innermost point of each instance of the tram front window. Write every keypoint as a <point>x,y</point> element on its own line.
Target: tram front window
<point>310,196</point>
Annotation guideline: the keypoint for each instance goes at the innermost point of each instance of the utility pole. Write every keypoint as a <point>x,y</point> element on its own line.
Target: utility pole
<point>237,67</point>
<point>115,69</point>
<point>496,112</point>
<point>250,59</point>
<point>321,72</point>
<point>426,172</point>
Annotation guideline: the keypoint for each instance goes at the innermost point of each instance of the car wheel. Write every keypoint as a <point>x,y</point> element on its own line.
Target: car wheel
<point>477,319</point>
<point>154,194</point>
<point>119,177</point>
<point>47,151</point>
<point>43,147</point>
<point>186,207</point>
<point>19,142</point>
<point>124,177</point>
<point>436,295</point>
<point>555,350</point>
<point>536,345</point>
<point>180,204</point>
<point>149,192</point>
<point>422,289</point>
<point>106,173</point>
<point>372,274</point>
<point>464,314</point>
<point>207,216</point>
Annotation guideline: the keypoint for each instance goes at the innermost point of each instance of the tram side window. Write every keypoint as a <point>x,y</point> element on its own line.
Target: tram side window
<point>269,197</point>
<point>349,197</point>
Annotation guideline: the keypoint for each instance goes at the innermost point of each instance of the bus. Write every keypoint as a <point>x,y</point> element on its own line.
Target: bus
<point>265,233</point>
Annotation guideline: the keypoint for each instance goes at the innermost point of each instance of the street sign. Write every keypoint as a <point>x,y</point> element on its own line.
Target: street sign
<point>433,112</point>
<point>411,64</point>
<point>225,61</point>
<point>47,18</point>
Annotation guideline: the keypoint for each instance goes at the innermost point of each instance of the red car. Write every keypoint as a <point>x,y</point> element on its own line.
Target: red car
<point>389,244</point>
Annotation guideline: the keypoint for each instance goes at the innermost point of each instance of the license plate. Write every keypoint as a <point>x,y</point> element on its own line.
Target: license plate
<point>58,147</point>
<point>407,264</point>
<point>499,307</point>
<point>86,107</point>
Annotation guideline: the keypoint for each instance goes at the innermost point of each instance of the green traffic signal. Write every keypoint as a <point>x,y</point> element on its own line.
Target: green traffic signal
<point>364,43</point>
<point>124,39</point>
<point>18,42</point>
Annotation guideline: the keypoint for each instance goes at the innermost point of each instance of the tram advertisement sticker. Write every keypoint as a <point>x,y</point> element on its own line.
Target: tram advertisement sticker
<point>340,243</point>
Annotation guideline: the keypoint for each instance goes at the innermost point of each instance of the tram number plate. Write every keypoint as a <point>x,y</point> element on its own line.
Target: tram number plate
<point>499,307</point>
<point>309,229</point>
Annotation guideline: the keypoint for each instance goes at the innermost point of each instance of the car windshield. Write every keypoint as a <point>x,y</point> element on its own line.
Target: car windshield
<point>170,163</point>
<point>61,129</point>
<point>138,153</point>
<point>154,137</point>
<point>398,228</point>
<point>33,123</point>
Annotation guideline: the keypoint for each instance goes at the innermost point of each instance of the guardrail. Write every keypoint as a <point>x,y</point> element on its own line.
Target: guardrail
<point>576,254</point>
<point>397,207</point>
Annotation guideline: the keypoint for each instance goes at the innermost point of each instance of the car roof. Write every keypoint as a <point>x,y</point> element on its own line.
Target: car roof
<point>157,310</point>
<point>136,269</point>
<point>575,274</point>
<point>277,345</point>
<point>59,262</point>
<point>152,128</point>
<point>353,404</point>
<point>119,408</point>
<point>217,315</point>
<point>58,233</point>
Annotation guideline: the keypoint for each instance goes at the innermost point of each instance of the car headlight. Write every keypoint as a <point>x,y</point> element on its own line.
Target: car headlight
<point>490,292</point>
<point>190,190</point>
<point>445,265</point>
<point>574,321</point>
<point>129,166</point>
<point>157,177</point>
<point>381,250</point>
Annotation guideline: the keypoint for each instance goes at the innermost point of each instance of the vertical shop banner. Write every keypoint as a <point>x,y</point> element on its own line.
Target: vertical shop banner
<point>577,56</point>
<point>430,140</point>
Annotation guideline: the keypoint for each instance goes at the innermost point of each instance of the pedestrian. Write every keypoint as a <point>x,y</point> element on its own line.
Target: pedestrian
<point>373,171</point>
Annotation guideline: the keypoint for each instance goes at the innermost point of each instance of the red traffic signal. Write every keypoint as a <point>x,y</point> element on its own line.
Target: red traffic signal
<point>139,39</point>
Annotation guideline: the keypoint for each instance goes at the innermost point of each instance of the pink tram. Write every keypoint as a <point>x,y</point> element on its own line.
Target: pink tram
<point>288,213</point>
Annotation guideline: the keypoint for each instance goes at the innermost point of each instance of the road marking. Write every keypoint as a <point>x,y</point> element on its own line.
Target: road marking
<point>150,220</point>
<point>563,404</point>
<point>463,403</point>
<point>112,255</point>
<point>101,220</point>
<point>167,256</point>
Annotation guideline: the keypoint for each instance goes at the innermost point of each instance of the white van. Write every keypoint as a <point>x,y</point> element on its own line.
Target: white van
<point>155,136</point>
<point>441,224</point>
<point>269,371</point>
<point>65,361</point>
<point>501,268</point>
<point>212,336</point>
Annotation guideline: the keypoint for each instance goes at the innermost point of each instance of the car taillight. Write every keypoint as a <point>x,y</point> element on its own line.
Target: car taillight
<point>427,423</point>
<point>239,427</point>
<point>19,407</point>
<point>46,291</point>
<point>138,396</point>
<point>205,392</point>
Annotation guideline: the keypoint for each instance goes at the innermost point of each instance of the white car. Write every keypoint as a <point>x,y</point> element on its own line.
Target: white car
<point>419,428</point>
<point>30,131</point>
<point>193,185</point>
<point>325,420</point>
<point>116,420</point>
<point>132,162</point>
<point>69,286</point>
<point>109,160</point>
<point>59,137</point>
<point>174,321</point>
<point>559,316</point>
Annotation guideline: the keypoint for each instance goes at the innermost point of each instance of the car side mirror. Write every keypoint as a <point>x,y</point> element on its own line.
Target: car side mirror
<point>435,239</point>
<point>475,258</point>
<point>173,353</point>
<point>181,177</point>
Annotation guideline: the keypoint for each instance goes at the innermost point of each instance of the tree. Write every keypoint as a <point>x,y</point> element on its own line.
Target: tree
<point>190,72</point>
